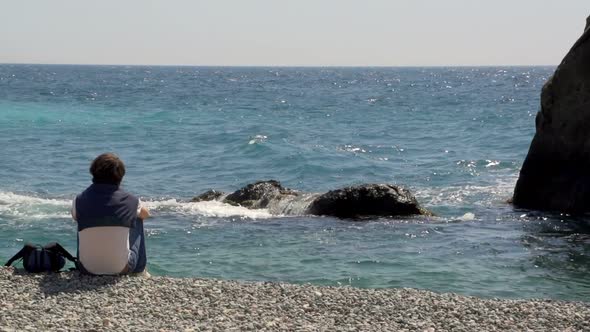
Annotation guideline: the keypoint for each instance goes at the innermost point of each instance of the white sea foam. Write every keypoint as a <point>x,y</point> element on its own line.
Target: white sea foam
<point>27,207</point>
<point>30,207</point>
<point>9,198</point>
<point>467,217</point>
<point>468,194</point>
<point>207,209</point>
<point>257,139</point>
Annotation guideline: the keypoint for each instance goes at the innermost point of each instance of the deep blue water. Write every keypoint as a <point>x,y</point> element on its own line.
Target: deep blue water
<point>455,136</point>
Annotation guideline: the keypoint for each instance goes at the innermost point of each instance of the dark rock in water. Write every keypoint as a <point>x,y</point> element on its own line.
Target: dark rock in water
<point>351,202</point>
<point>209,195</point>
<point>258,195</point>
<point>367,200</point>
<point>556,172</point>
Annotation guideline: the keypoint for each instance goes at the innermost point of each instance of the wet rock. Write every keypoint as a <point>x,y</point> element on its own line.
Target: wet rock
<point>367,200</point>
<point>258,195</point>
<point>556,172</point>
<point>209,195</point>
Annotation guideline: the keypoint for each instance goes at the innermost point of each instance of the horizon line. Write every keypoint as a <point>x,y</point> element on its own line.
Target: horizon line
<point>274,66</point>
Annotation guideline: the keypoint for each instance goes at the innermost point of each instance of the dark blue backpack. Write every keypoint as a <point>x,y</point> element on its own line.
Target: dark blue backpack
<point>49,258</point>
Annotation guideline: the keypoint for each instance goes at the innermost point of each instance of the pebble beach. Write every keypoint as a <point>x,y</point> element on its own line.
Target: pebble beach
<point>68,301</point>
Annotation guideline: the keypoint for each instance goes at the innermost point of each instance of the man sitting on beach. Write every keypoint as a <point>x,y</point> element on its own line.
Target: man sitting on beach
<point>110,222</point>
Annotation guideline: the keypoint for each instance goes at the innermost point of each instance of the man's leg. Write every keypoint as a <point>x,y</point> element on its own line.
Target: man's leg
<point>137,253</point>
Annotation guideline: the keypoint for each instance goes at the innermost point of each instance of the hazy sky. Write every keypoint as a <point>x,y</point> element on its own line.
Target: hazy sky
<point>296,33</point>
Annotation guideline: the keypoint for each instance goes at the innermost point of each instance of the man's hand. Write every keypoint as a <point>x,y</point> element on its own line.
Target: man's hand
<point>144,213</point>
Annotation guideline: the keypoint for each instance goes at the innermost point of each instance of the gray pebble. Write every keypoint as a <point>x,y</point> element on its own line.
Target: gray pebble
<point>70,302</point>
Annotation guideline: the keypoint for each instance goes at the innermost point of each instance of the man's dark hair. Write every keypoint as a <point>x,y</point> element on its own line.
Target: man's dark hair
<point>107,168</point>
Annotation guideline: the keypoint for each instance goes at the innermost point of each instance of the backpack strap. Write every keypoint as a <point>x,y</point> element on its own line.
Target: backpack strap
<point>56,247</point>
<point>18,255</point>
<point>26,249</point>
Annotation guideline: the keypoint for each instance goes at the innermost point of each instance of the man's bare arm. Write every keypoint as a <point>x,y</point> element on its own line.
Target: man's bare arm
<point>73,210</point>
<point>144,213</point>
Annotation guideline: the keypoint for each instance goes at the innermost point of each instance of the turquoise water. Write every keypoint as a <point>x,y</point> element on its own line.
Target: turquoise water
<point>455,136</point>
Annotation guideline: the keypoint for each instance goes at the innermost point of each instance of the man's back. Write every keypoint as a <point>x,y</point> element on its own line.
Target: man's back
<point>110,222</point>
<point>105,214</point>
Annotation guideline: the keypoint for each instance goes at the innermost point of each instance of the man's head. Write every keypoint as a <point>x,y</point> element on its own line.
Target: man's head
<point>108,169</point>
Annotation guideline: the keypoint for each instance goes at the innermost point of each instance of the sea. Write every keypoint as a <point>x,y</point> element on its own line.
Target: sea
<point>455,136</point>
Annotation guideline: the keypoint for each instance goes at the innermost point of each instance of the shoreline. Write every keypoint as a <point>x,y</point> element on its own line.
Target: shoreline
<point>67,301</point>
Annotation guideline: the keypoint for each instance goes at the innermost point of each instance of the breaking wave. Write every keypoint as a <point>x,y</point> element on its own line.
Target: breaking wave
<point>30,207</point>
<point>24,207</point>
<point>468,195</point>
<point>33,207</point>
<point>206,209</point>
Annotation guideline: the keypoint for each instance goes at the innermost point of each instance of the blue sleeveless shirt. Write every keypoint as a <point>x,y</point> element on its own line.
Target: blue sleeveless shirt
<point>105,205</point>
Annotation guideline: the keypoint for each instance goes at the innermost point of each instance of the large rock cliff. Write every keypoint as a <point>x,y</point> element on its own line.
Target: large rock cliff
<point>556,172</point>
